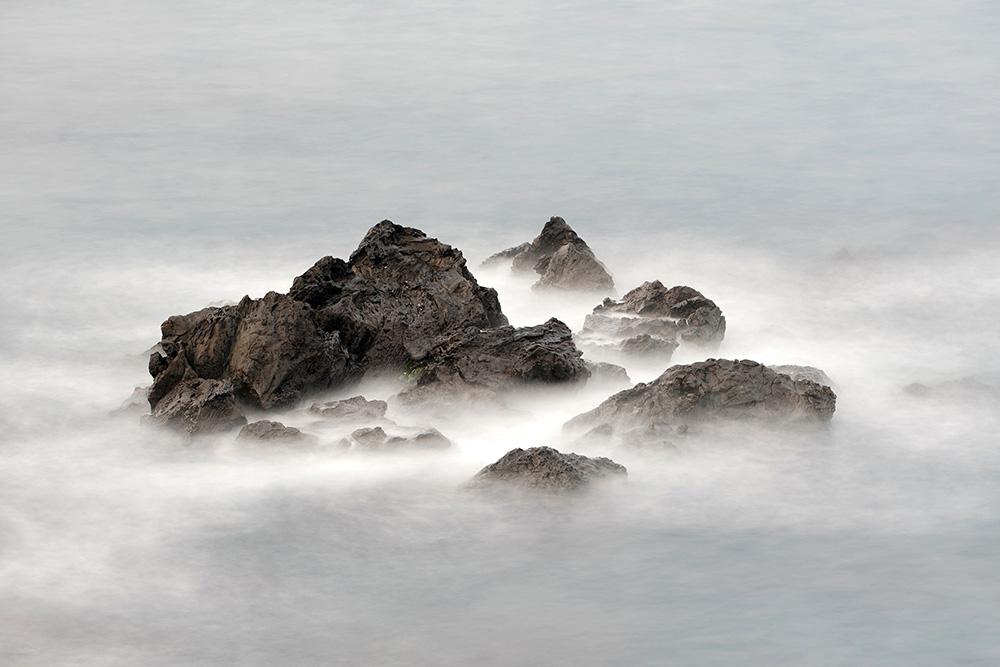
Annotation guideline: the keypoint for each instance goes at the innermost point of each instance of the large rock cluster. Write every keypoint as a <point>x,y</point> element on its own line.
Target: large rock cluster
<point>713,389</point>
<point>654,320</point>
<point>560,257</point>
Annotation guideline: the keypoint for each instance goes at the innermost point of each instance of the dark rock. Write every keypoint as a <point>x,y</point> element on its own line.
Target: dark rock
<point>804,373</point>
<point>561,258</point>
<point>605,372</point>
<point>398,292</point>
<point>717,388</point>
<point>376,439</point>
<point>548,469</point>
<point>480,363</point>
<point>266,431</point>
<point>198,406</point>
<point>506,255</point>
<point>652,319</point>
<point>356,407</point>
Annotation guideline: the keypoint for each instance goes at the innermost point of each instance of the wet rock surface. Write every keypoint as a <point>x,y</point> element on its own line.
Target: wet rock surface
<point>480,363</point>
<point>652,320</point>
<point>339,320</point>
<point>198,406</point>
<point>270,431</point>
<point>713,389</point>
<point>560,257</point>
<point>548,469</point>
<point>354,408</point>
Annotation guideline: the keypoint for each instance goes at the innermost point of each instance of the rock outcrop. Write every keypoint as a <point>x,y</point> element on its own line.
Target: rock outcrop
<point>339,320</point>
<point>354,408</point>
<point>376,439</point>
<point>713,389</point>
<point>561,258</point>
<point>270,431</point>
<point>547,469</point>
<point>652,320</point>
<point>810,373</point>
<point>198,406</point>
<point>481,363</point>
<point>605,372</point>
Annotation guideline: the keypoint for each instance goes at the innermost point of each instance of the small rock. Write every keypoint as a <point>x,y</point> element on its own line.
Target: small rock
<point>548,469</point>
<point>264,431</point>
<point>810,373</point>
<point>199,406</point>
<point>354,408</point>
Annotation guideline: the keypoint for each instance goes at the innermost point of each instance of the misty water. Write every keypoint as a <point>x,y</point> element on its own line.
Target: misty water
<point>825,172</point>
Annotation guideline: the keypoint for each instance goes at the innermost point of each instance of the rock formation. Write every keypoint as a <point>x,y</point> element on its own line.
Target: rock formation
<point>339,320</point>
<point>717,388</point>
<point>481,363</point>
<point>652,320</point>
<point>376,439</point>
<point>354,408</point>
<point>198,406</point>
<point>547,469</point>
<point>560,257</point>
<point>270,431</point>
<point>804,373</point>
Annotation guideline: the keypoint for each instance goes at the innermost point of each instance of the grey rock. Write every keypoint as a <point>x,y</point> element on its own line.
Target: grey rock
<point>804,373</point>
<point>481,363</point>
<point>198,406</point>
<point>506,255</point>
<point>136,404</point>
<point>713,389</point>
<point>270,431</point>
<point>646,344</point>
<point>605,372</point>
<point>376,439</point>
<point>354,408</point>
<point>562,259</point>
<point>547,469</point>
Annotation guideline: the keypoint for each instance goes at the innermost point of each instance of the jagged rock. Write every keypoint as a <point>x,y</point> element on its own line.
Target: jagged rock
<point>136,404</point>
<point>548,469</point>
<point>267,431</point>
<point>356,407</point>
<point>561,258</point>
<point>376,438</point>
<point>198,406</point>
<point>400,289</point>
<point>804,373</point>
<point>480,363</point>
<point>605,372</point>
<point>506,255</point>
<point>652,319</point>
<point>717,388</point>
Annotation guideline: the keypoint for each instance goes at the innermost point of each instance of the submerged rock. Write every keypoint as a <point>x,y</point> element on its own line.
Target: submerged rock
<point>548,469</point>
<point>561,258</point>
<point>717,388</point>
<point>605,372</point>
<point>966,389</point>
<point>654,320</point>
<point>267,431</point>
<point>136,404</point>
<point>339,320</point>
<point>480,363</point>
<point>198,406</point>
<point>810,373</point>
<point>356,407</point>
<point>376,439</point>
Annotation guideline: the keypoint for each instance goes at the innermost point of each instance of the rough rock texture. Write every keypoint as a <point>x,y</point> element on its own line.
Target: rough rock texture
<point>804,373</point>
<point>377,439</point>
<point>652,319</point>
<point>561,258</point>
<point>548,469</point>
<point>340,319</point>
<point>606,372</point>
<point>356,407</point>
<point>267,431</point>
<point>197,406</point>
<point>717,388</point>
<point>478,363</point>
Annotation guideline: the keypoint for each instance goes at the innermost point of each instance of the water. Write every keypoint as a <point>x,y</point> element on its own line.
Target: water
<point>158,158</point>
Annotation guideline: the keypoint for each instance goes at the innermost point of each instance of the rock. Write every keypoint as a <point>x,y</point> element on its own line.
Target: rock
<point>356,408</point>
<point>481,363</point>
<point>654,320</point>
<point>966,389</point>
<point>605,372</point>
<point>267,431</point>
<point>399,290</point>
<point>548,469</point>
<point>505,255</point>
<point>376,438</point>
<point>136,404</point>
<point>561,258</point>
<point>717,388</point>
<point>198,406</point>
<point>810,373</point>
